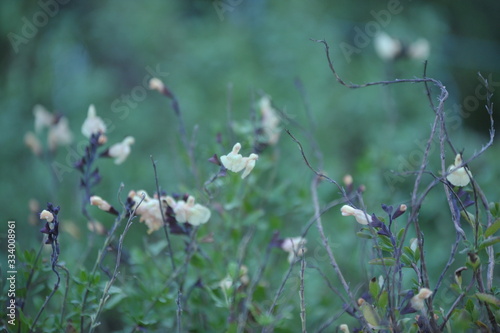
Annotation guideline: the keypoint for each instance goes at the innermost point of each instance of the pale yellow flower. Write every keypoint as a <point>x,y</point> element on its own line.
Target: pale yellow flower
<point>59,134</point>
<point>188,211</point>
<point>344,328</point>
<point>93,124</point>
<point>270,120</point>
<point>360,216</point>
<point>96,227</point>
<point>235,162</point>
<point>32,142</point>
<point>417,301</point>
<point>43,118</point>
<point>46,215</point>
<point>120,151</point>
<point>459,177</point>
<point>156,84</point>
<point>100,203</point>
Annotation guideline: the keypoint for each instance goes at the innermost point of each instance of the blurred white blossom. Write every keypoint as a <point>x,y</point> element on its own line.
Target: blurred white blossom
<point>120,151</point>
<point>294,246</point>
<point>420,49</point>
<point>32,142</point>
<point>59,134</point>
<point>43,118</point>
<point>386,47</point>
<point>270,120</point>
<point>156,84</point>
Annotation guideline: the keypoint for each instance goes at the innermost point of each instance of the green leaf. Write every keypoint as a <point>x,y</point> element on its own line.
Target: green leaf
<point>383,300</point>
<point>400,234</point>
<point>469,306</point>
<point>492,228</point>
<point>408,251</point>
<point>370,314</point>
<point>489,242</point>
<point>405,259</point>
<point>416,255</point>
<point>361,234</point>
<point>374,288</point>
<point>487,298</point>
<point>495,209</point>
<point>388,261</point>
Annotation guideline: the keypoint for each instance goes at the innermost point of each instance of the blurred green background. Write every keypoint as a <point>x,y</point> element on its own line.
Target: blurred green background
<point>102,53</point>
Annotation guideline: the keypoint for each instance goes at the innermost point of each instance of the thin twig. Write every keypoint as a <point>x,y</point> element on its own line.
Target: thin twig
<point>301,293</point>
<point>109,284</point>
<point>163,217</point>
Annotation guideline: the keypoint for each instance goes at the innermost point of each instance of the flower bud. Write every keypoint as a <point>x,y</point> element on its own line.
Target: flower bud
<point>93,124</point>
<point>360,216</point>
<point>46,215</point>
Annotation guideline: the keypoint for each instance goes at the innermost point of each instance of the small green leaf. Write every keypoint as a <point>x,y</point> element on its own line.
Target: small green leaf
<point>386,241</point>
<point>416,255</point>
<point>490,299</point>
<point>383,300</point>
<point>406,260</point>
<point>370,314</point>
<point>361,234</point>
<point>492,228</point>
<point>400,234</point>
<point>495,209</point>
<point>383,261</point>
<point>489,242</point>
<point>408,252</point>
<point>469,306</point>
<point>374,288</point>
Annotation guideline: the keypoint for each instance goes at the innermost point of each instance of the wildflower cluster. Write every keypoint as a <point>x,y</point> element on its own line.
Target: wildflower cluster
<point>57,127</point>
<point>174,210</point>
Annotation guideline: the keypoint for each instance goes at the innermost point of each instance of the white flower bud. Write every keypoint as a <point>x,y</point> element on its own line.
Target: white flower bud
<point>156,84</point>
<point>46,215</point>
<point>361,217</point>
<point>100,203</point>
<point>93,124</point>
